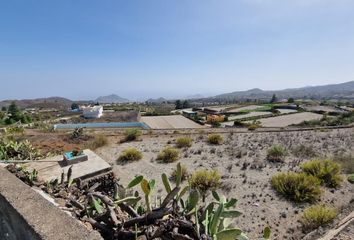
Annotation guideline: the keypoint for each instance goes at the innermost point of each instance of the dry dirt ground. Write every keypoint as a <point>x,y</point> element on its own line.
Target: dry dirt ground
<point>246,173</point>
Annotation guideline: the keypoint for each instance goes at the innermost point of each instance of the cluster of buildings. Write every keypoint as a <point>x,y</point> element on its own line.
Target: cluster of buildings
<point>95,111</point>
<point>204,115</point>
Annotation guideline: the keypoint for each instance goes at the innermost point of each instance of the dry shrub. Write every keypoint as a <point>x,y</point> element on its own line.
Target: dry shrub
<point>205,180</point>
<point>299,187</point>
<point>184,142</point>
<point>276,153</point>
<point>98,141</point>
<point>346,161</point>
<point>131,134</point>
<point>303,151</point>
<point>252,127</point>
<point>185,173</point>
<point>130,154</point>
<point>168,155</point>
<point>215,139</point>
<point>326,170</point>
<point>317,215</point>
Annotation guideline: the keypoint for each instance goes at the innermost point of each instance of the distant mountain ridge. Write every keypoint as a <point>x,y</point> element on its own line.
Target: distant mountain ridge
<point>113,98</point>
<point>341,90</point>
<point>50,102</point>
<point>156,100</point>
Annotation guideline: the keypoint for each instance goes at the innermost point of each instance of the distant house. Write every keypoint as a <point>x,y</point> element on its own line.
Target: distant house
<point>189,113</point>
<point>211,111</point>
<point>92,112</point>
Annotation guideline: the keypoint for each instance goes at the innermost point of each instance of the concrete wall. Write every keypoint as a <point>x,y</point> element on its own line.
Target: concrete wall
<point>25,214</point>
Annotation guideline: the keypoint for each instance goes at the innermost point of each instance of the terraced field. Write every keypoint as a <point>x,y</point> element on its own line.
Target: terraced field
<point>168,122</point>
<point>287,120</point>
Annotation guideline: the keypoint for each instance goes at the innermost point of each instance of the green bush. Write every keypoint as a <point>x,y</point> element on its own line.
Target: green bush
<point>252,127</point>
<point>14,150</point>
<point>351,178</point>
<point>130,154</point>
<point>184,142</point>
<point>299,187</point>
<point>131,134</point>
<point>205,180</point>
<point>168,155</point>
<point>15,129</point>
<point>346,161</point>
<point>326,170</point>
<point>316,216</point>
<point>215,139</point>
<point>276,153</point>
<point>185,173</point>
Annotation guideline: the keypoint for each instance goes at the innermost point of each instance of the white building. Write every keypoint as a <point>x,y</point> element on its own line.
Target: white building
<point>92,112</point>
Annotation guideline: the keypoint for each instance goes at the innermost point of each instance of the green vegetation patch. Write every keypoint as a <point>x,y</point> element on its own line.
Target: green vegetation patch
<point>131,134</point>
<point>130,154</point>
<point>14,150</point>
<point>168,155</point>
<point>299,187</point>
<point>205,180</point>
<point>184,142</point>
<point>317,215</point>
<point>215,139</point>
<point>276,153</point>
<point>351,178</point>
<point>326,170</point>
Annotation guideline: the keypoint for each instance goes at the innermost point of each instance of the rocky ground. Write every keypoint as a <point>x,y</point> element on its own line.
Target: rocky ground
<point>246,173</point>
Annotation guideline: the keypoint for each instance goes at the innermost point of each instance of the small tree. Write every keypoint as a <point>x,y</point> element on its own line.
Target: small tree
<point>179,104</point>
<point>14,111</point>
<point>274,99</point>
<point>74,106</point>
<point>186,104</point>
<point>291,100</point>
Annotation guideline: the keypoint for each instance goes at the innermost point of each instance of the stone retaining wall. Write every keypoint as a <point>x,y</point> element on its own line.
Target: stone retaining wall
<point>25,214</point>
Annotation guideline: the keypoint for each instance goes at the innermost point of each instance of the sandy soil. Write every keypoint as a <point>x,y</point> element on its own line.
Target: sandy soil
<point>286,120</point>
<point>167,122</point>
<point>246,173</point>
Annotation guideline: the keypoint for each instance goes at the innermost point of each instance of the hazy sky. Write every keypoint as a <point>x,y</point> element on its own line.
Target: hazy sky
<point>82,49</point>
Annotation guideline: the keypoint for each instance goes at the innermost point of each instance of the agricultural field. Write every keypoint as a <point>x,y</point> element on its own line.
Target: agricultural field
<point>246,108</point>
<point>287,120</point>
<point>248,115</point>
<point>323,109</point>
<point>245,171</point>
<point>286,111</point>
<point>168,122</point>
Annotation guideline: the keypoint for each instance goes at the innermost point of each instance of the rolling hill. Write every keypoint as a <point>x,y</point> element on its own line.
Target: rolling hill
<point>113,98</point>
<point>50,102</point>
<point>342,90</point>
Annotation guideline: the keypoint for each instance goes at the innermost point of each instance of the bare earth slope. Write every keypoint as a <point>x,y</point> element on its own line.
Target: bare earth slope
<point>246,173</point>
